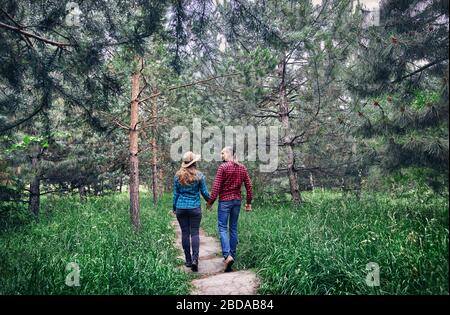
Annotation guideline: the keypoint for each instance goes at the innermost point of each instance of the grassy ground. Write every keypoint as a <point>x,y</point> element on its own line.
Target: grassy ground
<point>98,236</point>
<point>324,246</point>
<point>321,248</point>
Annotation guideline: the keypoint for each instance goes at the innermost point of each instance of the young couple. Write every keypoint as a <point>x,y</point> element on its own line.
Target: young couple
<point>189,183</point>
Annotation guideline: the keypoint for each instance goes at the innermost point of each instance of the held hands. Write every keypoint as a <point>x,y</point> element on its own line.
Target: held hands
<point>208,206</point>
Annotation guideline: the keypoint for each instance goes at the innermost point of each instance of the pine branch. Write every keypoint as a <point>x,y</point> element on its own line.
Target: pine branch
<point>28,34</point>
<point>26,39</point>
<point>186,85</point>
<point>420,69</point>
<point>25,119</point>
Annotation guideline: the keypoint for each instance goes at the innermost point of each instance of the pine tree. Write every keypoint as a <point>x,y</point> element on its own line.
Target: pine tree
<point>400,87</point>
<point>290,55</point>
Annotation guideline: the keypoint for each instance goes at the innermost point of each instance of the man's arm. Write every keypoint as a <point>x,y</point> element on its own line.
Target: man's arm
<point>216,186</point>
<point>248,187</point>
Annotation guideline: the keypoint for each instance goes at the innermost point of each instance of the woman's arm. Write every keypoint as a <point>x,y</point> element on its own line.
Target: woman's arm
<point>204,189</point>
<point>217,186</point>
<point>175,193</point>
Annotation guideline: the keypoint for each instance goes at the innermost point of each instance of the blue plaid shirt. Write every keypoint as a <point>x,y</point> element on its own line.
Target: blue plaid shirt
<point>188,197</point>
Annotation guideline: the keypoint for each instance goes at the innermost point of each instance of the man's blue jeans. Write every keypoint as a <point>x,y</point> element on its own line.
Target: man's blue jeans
<point>229,214</point>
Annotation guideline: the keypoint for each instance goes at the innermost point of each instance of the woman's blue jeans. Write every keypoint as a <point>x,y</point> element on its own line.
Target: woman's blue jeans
<point>228,215</point>
<point>189,220</point>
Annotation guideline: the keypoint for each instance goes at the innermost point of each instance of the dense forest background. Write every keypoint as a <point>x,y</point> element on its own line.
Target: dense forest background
<point>89,92</point>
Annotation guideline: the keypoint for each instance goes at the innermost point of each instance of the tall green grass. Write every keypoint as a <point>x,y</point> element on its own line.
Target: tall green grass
<point>98,236</point>
<point>323,247</point>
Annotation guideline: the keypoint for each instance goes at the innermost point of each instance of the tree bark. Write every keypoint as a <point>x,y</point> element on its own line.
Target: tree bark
<point>287,136</point>
<point>134,161</point>
<point>160,182</point>
<point>35,193</point>
<point>154,152</point>
<point>154,181</point>
<point>311,181</point>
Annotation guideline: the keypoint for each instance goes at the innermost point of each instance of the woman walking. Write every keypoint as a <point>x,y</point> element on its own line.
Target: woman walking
<point>187,186</point>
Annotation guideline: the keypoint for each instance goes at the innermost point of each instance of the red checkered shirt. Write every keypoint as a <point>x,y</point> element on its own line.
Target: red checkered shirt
<point>228,183</point>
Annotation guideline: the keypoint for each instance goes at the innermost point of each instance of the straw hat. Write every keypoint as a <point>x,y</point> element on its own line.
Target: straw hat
<point>189,158</point>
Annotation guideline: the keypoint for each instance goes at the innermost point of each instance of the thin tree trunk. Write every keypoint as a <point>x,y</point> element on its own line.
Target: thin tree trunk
<point>293,179</point>
<point>154,152</point>
<point>154,180</point>
<point>134,161</point>
<point>311,181</point>
<point>120,183</point>
<point>160,182</point>
<point>359,184</point>
<point>35,194</point>
<point>287,137</point>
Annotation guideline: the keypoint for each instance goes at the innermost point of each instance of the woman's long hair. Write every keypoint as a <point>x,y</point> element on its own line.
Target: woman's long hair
<point>188,175</point>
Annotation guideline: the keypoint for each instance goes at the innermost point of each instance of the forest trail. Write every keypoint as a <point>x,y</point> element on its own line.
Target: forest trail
<point>212,280</point>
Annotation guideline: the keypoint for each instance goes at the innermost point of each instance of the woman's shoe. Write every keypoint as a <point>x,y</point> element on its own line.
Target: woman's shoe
<point>194,266</point>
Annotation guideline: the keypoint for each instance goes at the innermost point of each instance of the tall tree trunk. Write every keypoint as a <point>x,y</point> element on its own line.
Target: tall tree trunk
<point>154,180</point>
<point>160,182</point>
<point>358,184</point>
<point>293,179</point>
<point>134,161</point>
<point>35,193</point>
<point>154,152</point>
<point>34,201</point>
<point>287,136</point>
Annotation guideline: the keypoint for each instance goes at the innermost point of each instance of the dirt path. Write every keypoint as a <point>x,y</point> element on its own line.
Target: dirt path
<point>211,278</point>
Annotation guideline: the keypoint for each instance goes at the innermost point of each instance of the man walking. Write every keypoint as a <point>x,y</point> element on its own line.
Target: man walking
<point>227,185</point>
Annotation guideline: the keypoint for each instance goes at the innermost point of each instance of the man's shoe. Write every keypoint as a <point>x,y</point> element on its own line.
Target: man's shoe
<point>194,266</point>
<point>188,264</point>
<point>228,268</point>
<point>228,263</point>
